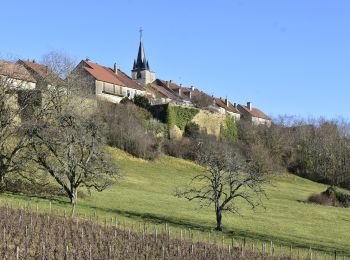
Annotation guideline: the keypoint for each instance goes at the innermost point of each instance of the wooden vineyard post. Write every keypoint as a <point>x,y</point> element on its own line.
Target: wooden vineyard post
<point>156,234</point>
<point>271,246</point>
<point>66,253</point>
<point>17,253</point>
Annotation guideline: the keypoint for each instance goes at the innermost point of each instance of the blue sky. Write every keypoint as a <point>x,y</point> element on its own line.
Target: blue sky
<point>286,56</point>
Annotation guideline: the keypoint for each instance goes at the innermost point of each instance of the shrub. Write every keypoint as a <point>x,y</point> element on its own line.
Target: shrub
<point>331,196</point>
<point>192,130</point>
<point>184,148</point>
<point>142,101</point>
<point>321,199</point>
<point>126,100</point>
<point>127,130</point>
<point>229,130</point>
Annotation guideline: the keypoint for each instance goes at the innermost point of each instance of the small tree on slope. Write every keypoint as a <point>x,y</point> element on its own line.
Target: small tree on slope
<point>227,178</point>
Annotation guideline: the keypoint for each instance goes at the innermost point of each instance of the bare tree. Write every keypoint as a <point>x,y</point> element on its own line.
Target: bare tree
<point>202,100</point>
<point>227,177</point>
<point>67,141</point>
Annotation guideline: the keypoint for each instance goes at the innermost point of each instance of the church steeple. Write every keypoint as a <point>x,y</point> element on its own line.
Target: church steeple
<point>141,70</point>
<point>141,61</point>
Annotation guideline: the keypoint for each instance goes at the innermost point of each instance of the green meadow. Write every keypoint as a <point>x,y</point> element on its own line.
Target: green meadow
<point>145,194</point>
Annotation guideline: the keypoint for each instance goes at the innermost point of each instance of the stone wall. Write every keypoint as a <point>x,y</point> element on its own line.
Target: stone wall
<point>209,122</point>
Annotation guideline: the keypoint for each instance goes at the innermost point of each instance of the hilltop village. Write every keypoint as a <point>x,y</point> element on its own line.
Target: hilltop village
<point>113,85</point>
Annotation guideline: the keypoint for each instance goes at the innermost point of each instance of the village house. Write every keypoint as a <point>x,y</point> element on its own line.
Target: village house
<point>228,108</point>
<point>16,76</point>
<point>27,79</point>
<point>106,83</point>
<point>27,75</point>
<point>254,115</point>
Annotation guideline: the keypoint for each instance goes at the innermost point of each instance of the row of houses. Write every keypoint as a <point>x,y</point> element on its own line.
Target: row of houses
<point>112,84</point>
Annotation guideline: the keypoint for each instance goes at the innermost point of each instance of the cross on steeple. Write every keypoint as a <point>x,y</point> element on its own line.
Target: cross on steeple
<point>141,30</point>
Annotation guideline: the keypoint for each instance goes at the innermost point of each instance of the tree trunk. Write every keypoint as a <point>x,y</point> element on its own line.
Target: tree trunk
<point>218,219</point>
<point>2,180</point>
<point>73,201</point>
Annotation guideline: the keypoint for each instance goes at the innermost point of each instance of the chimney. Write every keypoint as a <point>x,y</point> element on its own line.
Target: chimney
<point>115,68</point>
<point>193,88</point>
<point>235,105</point>
<point>249,105</point>
<point>180,92</point>
<point>226,102</point>
<point>168,84</point>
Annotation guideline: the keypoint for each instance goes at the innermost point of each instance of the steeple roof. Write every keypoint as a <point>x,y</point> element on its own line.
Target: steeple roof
<point>141,63</point>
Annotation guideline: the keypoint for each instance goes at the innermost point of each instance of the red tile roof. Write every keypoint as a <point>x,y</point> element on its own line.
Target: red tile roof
<point>106,74</point>
<point>172,85</point>
<point>254,112</point>
<point>40,71</point>
<point>161,90</point>
<point>231,108</point>
<point>16,71</point>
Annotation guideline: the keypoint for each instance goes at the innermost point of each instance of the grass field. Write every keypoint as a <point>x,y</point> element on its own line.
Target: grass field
<point>146,194</point>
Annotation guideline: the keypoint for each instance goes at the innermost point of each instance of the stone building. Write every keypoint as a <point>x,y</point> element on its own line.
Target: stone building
<point>106,83</point>
<point>227,107</point>
<point>254,115</point>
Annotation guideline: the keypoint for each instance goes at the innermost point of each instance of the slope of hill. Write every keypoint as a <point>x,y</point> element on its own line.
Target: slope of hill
<point>146,193</point>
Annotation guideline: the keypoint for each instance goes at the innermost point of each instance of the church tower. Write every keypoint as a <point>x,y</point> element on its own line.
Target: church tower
<point>141,72</point>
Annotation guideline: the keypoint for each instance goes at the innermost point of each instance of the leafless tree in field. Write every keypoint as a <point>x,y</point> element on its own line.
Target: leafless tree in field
<point>67,141</point>
<point>227,178</point>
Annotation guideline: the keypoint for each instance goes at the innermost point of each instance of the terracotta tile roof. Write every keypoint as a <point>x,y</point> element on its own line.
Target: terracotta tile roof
<point>40,71</point>
<point>106,74</point>
<point>160,91</point>
<point>16,71</point>
<point>254,112</point>
<point>231,108</point>
<point>127,80</point>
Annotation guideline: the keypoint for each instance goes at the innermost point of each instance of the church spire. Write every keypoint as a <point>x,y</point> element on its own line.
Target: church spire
<point>141,72</point>
<point>141,61</point>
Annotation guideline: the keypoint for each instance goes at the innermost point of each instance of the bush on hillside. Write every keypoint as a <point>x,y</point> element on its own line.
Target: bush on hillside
<point>142,101</point>
<point>184,148</point>
<point>229,130</point>
<point>126,100</point>
<point>192,130</point>
<point>127,130</point>
<point>331,197</point>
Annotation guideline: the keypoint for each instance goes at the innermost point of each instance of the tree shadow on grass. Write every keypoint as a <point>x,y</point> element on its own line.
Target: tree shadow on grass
<point>32,197</point>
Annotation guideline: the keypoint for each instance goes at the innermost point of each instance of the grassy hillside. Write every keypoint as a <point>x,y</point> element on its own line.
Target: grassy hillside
<point>146,193</point>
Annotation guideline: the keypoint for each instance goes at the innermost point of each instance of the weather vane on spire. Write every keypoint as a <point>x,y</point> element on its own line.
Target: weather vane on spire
<point>141,30</point>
